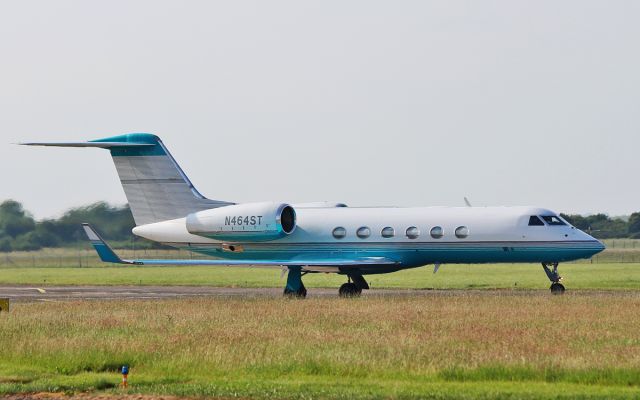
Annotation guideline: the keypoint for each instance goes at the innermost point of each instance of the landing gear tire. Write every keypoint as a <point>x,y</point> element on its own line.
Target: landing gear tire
<point>298,294</point>
<point>349,290</point>
<point>557,288</point>
<point>551,269</point>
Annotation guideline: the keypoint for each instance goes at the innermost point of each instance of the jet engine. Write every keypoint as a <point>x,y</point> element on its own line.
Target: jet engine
<point>250,221</point>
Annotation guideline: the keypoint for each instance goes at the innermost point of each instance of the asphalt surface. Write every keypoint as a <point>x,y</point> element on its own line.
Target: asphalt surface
<point>20,293</point>
<point>26,293</point>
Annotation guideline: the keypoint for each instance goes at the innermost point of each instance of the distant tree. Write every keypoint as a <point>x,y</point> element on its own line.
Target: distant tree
<point>14,221</point>
<point>46,234</point>
<point>600,226</point>
<point>114,223</point>
<point>19,231</point>
<point>5,245</point>
<point>634,225</point>
<point>27,242</point>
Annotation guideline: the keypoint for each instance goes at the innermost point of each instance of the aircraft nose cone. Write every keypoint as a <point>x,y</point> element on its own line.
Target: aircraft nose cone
<point>592,245</point>
<point>595,246</point>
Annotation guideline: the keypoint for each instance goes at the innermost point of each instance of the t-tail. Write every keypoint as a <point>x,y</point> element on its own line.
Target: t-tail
<point>156,187</point>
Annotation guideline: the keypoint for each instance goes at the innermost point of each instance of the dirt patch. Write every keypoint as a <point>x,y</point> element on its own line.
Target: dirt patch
<point>99,396</point>
<point>84,396</point>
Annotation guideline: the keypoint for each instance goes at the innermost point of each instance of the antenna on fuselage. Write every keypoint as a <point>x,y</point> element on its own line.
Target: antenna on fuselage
<point>466,201</point>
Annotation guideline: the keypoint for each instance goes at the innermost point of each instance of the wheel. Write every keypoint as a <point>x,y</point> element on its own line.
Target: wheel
<point>349,290</point>
<point>557,288</point>
<point>300,293</point>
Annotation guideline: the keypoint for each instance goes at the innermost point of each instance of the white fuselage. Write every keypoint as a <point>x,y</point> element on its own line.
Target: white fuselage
<point>485,234</point>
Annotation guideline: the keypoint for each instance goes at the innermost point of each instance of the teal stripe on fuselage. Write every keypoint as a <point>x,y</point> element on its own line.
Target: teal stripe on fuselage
<point>412,256</point>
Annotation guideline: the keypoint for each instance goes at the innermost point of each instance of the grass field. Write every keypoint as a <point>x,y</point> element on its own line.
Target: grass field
<point>503,345</point>
<point>82,267</point>
<point>508,344</point>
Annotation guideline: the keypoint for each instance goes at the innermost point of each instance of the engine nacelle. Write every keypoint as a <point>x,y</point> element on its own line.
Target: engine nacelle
<point>250,221</point>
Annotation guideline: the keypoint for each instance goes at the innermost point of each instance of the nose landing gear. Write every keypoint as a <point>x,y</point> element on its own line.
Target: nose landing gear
<point>554,277</point>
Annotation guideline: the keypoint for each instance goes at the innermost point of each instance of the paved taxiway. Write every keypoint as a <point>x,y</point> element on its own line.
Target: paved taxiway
<point>27,293</point>
<point>20,293</point>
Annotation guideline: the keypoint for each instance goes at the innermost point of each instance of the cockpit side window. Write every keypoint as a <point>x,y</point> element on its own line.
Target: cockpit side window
<point>534,220</point>
<point>553,220</point>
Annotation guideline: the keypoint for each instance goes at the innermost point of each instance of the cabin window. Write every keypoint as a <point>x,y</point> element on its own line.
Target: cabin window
<point>412,232</point>
<point>535,221</point>
<point>437,232</point>
<point>553,220</point>
<point>339,232</point>
<point>363,232</point>
<point>388,232</point>
<point>462,232</point>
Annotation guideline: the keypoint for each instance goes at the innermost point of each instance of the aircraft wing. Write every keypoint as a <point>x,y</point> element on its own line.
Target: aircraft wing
<point>107,254</point>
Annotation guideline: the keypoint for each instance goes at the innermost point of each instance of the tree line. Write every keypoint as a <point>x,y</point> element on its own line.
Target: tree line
<point>19,231</point>
<point>601,226</point>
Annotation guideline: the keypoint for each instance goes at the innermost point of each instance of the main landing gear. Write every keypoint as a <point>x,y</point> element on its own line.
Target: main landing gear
<point>354,286</point>
<point>295,288</point>
<point>551,269</point>
<point>349,289</point>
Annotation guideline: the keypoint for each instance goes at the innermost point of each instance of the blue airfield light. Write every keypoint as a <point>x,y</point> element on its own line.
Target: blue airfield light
<point>125,373</point>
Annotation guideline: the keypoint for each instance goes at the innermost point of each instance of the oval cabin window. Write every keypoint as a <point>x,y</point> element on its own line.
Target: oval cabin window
<point>339,232</point>
<point>437,232</point>
<point>413,232</point>
<point>388,232</point>
<point>363,232</point>
<point>462,232</point>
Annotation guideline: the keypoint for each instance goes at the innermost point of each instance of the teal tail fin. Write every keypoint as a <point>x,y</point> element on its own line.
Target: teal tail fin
<point>156,187</point>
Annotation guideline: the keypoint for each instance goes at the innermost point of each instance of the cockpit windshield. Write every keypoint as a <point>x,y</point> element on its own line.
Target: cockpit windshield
<point>552,220</point>
<point>535,221</point>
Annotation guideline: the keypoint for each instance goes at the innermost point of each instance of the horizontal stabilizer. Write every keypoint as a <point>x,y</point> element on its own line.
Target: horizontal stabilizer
<point>107,254</point>
<point>101,145</point>
<point>156,187</point>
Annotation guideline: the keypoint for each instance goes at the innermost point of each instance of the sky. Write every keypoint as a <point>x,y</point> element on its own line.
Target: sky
<point>405,103</point>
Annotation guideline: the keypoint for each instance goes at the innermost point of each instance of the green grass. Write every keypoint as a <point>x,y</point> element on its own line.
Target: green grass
<point>462,346</point>
<point>447,346</point>
<point>516,276</point>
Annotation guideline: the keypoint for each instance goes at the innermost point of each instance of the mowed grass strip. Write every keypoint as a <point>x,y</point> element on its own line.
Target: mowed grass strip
<point>466,345</point>
<point>513,276</point>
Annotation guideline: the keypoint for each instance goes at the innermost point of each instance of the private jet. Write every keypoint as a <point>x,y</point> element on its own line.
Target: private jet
<point>323,236</point>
